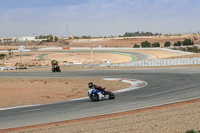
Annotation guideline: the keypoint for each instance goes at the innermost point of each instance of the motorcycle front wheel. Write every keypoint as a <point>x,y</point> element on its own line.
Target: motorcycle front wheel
<point>53,70</point>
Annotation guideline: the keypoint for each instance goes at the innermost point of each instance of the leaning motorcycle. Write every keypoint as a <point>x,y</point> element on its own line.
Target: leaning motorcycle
<point>96,95</point>
<point>56,69</point>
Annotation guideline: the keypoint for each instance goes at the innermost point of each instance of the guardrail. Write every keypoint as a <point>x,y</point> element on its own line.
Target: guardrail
<point>155,62</point>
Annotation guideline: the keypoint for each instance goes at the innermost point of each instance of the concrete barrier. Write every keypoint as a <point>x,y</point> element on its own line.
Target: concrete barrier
<point>6,68</point>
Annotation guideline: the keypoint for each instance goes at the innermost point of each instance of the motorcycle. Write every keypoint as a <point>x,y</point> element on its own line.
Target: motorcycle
<point>96,95</point>
<point>56,69</point>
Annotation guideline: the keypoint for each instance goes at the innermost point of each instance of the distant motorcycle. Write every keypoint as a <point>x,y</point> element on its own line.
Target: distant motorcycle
<point>96,95</point>
<point>56,69</point>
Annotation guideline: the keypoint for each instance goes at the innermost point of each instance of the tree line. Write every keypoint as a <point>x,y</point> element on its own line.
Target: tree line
<point>146,44</point>
<point>137,33</point>
<point>49,38</point>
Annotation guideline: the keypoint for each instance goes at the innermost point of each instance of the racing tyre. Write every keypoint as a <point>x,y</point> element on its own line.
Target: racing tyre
<point>53,70</point>
<point>94,97</point>
<point>111,95</point>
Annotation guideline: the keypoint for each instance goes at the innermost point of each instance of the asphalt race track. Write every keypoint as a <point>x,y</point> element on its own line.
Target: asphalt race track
<point>164,86</point>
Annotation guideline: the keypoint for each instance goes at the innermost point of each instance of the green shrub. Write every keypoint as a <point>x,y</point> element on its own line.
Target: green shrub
<point>190,131</point>
<point>2,56</point>
<point>156,44</point>
<point>146,44</point>
<point>187,42</point>
<point>189,49</point>
<point>178,43</point>
<point>195,49</point>
<point>136,46</point>
<point>183,49</point>
<point>167,44</point>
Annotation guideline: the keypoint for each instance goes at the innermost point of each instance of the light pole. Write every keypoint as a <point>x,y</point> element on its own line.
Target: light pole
<point>91,55</point>
<point>21,53</point>
<point>21,48</point>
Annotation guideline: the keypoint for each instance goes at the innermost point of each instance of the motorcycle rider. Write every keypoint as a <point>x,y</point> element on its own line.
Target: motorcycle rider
<point>54,64</point>
<point>91,85</point>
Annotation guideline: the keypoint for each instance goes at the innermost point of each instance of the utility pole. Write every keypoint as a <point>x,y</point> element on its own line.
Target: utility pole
<point>91,55</point>
<point>21,48</point>
<point>21,54</point>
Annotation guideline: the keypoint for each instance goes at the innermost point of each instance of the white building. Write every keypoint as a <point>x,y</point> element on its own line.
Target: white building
<point>24,39</point>
<point>21,39</point>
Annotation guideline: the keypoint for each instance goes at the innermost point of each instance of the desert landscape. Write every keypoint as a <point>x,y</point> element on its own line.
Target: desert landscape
<point>67,56</point>
<point>146,53</point>
<point>130,41</point>
<point>171,118</point>
<point>38,91</point>
<point>63,57</point>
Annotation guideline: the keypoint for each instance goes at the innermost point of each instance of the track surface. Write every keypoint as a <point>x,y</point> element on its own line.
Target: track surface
<point>164,86</point>
<point>137,55</point>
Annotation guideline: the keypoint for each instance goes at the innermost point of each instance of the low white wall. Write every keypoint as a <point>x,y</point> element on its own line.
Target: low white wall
<point>7,68</point>
<point>157,62</point>
<point>6,51</point>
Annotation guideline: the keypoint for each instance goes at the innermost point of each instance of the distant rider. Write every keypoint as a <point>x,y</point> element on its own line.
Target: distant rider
<point>54,64</point>
<point>92,86</point>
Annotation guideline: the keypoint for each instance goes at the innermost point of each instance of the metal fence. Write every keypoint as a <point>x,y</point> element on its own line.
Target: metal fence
<point>155,62</point>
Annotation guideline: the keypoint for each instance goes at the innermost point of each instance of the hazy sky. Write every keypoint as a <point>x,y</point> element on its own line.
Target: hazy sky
<point>97,17</point>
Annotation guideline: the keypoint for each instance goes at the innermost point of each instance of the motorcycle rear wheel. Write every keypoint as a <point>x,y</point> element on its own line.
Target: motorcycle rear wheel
<point>94,97</point>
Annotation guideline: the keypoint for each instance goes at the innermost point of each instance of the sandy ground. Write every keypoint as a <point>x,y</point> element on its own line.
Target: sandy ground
<point>64,58</point>
<point>87,57</point>
<point>31,58</point>
<point>127,41</point>
<point>166,119</point>
<point>70,57</point>
<point>104,42</point>
<point>159,54</point>
<point>37,91</point>
<point>28,59</point>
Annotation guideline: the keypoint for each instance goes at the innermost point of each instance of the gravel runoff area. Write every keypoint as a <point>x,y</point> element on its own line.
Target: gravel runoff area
<point>38,91</point>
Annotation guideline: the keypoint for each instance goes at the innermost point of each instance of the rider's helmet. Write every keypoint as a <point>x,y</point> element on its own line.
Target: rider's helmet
<point>54,62</point>
<point>90,84</point>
